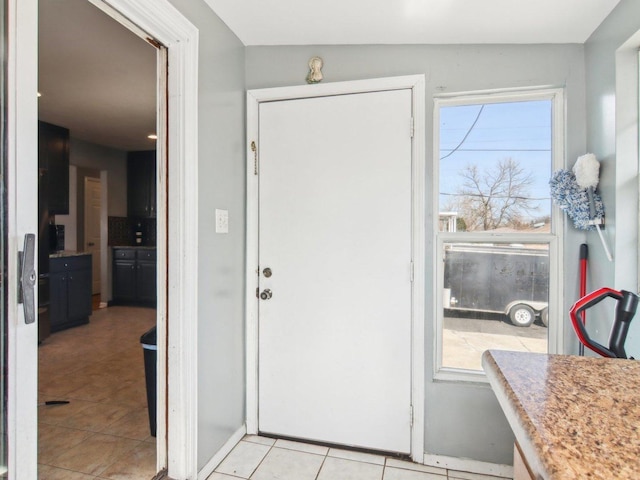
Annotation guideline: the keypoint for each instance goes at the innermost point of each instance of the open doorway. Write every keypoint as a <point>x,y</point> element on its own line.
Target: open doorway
<point>98,87</point>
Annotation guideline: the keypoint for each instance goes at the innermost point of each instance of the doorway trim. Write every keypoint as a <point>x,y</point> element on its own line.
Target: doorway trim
<point>87,180</point>
<point>177,158</point>
<point>254,97</point>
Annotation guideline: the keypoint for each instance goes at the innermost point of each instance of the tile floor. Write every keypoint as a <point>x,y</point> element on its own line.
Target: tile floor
<point>261,458</point>
<point>103,433</point>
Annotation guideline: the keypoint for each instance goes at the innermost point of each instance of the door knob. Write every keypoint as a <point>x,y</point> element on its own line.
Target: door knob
<point>266,294</point>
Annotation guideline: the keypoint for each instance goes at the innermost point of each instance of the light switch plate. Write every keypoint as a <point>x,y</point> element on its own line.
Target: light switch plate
<point>222,221</point>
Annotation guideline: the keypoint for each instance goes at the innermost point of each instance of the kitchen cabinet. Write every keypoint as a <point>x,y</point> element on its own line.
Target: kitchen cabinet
<point>521,469</point>
<point>124,275</point>
<point>141,184</point>
<point>53,165</point>
<point>69,291</point>
<point>134,276</point>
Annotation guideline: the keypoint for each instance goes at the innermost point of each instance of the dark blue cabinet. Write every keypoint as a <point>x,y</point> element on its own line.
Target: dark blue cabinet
<point>53,166</point>
<point>134,276</point>
<point>141,184</point>
<point>69,291</point>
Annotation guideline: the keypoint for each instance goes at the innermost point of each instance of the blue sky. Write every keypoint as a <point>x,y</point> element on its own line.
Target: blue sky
<point>517,130</point>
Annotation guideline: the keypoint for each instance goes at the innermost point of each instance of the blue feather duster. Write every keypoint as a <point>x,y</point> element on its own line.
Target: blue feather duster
<point>570,197</point>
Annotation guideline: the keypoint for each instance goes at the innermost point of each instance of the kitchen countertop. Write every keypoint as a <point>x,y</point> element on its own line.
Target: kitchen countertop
<point>67,253</point>
<point>147,247</point>
<point>573,417</point>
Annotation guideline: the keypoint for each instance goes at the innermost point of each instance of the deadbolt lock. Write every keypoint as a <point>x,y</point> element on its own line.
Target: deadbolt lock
<point>266,294</point>
<point>267,272</point>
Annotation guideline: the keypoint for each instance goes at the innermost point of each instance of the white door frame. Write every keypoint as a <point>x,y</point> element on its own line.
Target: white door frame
<point>254,97</point>
<point>87,215</point>
<point>177,152</point>
<point>177,119</point>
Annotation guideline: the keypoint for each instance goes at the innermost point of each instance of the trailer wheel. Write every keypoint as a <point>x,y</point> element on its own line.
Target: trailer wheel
<point>522,315</point>
<point>544,316</point>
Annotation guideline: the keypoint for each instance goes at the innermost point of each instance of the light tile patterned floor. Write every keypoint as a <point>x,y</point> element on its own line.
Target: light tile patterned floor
<point>261,458</point>
<point>103,433</point>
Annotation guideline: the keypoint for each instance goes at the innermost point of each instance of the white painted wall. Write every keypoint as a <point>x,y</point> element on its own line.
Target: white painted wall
<point>611,60</point>
<point>462,420</point>
<point>221,378</point>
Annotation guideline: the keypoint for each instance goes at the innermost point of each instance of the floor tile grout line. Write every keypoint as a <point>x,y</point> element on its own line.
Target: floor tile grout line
<point>261,461</point>
<point>117,459</point>
<point>102,432</point>
<point>66,469</point>
<point>322,464</point>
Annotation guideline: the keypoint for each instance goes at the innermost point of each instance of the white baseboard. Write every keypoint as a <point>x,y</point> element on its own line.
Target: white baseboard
<point>222,453</point>
<point>468,465</point>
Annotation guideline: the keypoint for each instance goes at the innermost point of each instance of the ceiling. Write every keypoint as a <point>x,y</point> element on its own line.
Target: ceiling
<point>98,79</point>
<point>313,22</point>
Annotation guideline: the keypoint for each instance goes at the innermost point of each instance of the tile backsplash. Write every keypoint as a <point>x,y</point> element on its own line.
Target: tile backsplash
<point>122,231</point>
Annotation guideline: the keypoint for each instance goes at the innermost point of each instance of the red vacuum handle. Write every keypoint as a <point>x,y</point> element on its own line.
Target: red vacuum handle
<point>586,302</point>
<point>584,255</point>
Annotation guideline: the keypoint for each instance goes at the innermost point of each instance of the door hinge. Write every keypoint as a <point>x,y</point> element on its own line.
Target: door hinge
<point>411,272</point>
<point>411,127</point>
<point>254,149</point>
<point>411,415</point>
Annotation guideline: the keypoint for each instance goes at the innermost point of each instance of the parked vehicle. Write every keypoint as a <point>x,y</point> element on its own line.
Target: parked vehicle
<point>513,280</point>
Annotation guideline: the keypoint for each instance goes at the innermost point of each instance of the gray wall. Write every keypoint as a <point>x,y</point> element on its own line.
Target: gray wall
<point>462,420</point>
<point>90,160</point>
<point>611,60</point>
<point>97,157</point>
<point>221,377</point>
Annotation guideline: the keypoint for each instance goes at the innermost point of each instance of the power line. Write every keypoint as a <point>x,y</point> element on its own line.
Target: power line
<point>494,150</point>
<point>494,196</point>
<point>466,134</point>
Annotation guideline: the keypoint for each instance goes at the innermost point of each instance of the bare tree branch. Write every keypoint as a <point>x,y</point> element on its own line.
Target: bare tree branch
<point>496,197</point>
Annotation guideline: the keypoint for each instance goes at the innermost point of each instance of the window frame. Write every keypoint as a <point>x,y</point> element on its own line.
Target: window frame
<point>554,238</point>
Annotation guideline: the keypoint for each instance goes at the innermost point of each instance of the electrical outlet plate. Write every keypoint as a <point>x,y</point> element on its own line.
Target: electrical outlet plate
<point>222,221</point>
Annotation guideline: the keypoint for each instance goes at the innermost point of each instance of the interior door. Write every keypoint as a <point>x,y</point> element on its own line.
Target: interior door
<point>92,239</point>
<point>19,217</point>
<point>4,464</point>
<point>335,269</point>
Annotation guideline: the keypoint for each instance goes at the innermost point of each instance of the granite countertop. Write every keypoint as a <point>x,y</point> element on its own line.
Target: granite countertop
<point>143,247</point>
<point>573,417</point>
<point>67,253</point>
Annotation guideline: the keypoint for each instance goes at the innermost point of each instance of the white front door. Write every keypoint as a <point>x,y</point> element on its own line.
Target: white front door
<point>335,216</point>
<point>92,238</point>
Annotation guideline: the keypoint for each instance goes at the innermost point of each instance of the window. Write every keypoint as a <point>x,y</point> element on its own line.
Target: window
<point>496,233</point>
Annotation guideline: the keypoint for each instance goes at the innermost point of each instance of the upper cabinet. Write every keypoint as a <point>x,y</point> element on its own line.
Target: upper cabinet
<point>141,184</point>
<point>53,163</point>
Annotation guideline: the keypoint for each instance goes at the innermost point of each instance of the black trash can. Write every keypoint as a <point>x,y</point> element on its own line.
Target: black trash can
<point>150,349</point>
